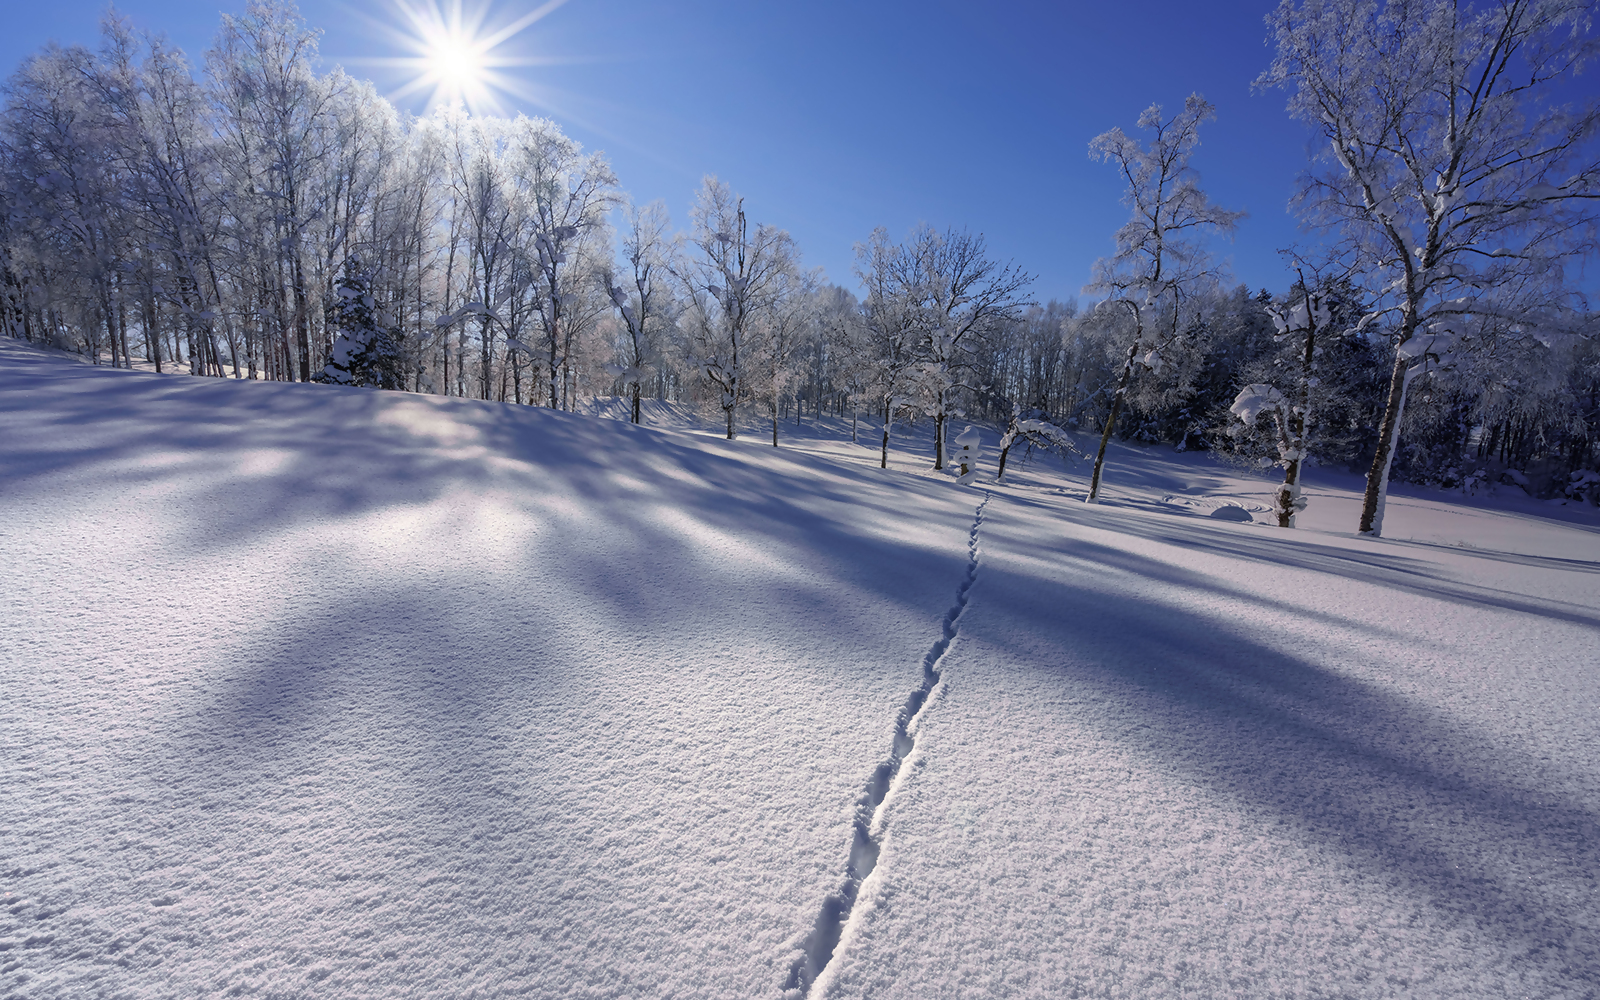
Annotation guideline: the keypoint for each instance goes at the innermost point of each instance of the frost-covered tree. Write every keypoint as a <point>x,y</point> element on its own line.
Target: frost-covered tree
<point>1160,258</point>
<point>892,324</point>
<point>66,183</point>
<point>161,124</point>
<point>1030,362</point>
<point>732,280</point>
<point>952,295</point>
<point>782,331</point>
<point>272,110</point>
<point>570,193</point>
<point>1458,179</point>
<point>488,210</point>
<point>846,344</point>
<point>643,298</point>
<point>1300,322</point>
<point>361,143</point>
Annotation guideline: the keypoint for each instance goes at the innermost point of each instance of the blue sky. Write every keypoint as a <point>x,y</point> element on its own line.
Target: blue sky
<point>833,118</point>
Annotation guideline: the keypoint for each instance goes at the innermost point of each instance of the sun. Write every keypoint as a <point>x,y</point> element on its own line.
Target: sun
<point>454,63</point>
<point>455,70</point>
<point>459,53</point>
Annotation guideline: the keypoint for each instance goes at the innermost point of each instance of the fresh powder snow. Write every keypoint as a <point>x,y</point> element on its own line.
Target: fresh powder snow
<point>321,691</point>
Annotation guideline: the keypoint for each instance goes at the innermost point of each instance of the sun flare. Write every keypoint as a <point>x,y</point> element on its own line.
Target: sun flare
<point>460,52</point>
<point>454,64</point>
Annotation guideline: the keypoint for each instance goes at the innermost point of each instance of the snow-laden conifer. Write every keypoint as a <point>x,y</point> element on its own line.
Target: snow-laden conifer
<point>364,351</point>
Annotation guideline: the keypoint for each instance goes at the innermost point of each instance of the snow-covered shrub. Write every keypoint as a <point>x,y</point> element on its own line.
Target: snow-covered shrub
<point>1584,485</point>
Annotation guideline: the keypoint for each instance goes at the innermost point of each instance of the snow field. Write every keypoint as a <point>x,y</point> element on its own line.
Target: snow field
<point>1178,758</point>
<point>811,972</point>
<point>313,691</point>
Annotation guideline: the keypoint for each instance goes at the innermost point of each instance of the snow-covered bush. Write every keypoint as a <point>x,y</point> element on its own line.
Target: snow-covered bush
<point>1585,486</point>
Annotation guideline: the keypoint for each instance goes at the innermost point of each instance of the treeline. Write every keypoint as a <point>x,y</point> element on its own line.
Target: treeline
<point>258,219</point>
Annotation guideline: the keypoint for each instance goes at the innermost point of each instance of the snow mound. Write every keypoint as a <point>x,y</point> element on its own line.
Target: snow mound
<point>1212,506</point>
<point>1231,512</point>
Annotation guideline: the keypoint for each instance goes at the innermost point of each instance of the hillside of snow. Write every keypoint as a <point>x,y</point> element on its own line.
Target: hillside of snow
<point>319,692</point>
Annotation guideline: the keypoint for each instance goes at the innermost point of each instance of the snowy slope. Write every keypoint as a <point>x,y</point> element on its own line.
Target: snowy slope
<point>1174,757</point>
<point>323,692</point>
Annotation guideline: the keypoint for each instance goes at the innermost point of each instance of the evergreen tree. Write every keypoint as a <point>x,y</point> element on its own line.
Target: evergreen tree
<point>364,350</point>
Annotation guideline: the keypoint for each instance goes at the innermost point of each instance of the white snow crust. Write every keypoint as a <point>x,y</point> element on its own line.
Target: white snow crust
<point>311,691</point>
<point>1178,758</point>
<point>314,691</point>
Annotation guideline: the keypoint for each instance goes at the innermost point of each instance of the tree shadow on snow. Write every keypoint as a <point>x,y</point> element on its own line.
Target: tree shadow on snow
<point>1387,563</point>
<point>1485,830</point>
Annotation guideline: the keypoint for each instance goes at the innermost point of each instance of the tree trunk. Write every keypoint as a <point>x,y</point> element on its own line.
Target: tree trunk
<point>1111,418</point>
<point>1388,438</point>
<point>1289,492</point>
<point>122,327</point>
<point>1007,441</point>
<point>487,343</point>
<point>888,410</point>
<point>152,330</point>
<point>302,321</point>
<point>109,321</point>
<point>1105,439</point>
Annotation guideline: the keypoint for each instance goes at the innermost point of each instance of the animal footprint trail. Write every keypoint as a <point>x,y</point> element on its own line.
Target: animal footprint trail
<point>865,845</point>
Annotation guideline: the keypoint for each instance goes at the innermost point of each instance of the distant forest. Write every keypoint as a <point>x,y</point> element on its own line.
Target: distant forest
<point>255,218</point>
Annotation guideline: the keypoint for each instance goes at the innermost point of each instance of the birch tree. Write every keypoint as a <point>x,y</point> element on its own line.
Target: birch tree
<point>570,193</point>
<point>1456,178</point>
<point>731,282</point>
<point>642,299</point>
<point>1160,254</point>
<point>273,109</point>
<point>158,119</point>
<point>66,183</point>
<point>486,198</point>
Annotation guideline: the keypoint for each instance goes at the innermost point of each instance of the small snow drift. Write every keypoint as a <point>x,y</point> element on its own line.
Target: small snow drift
<point>1229,512</point>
